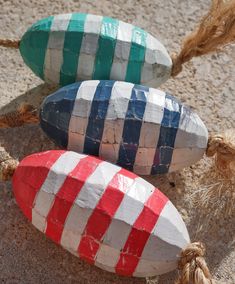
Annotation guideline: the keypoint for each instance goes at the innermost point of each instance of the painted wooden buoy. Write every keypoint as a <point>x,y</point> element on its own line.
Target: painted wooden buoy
<point>100,212</point>
<point>66,48</point>
<point>141,129</point>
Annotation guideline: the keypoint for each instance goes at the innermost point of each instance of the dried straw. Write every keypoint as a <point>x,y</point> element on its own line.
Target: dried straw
<point>215,190</point>
<point>216,194</point>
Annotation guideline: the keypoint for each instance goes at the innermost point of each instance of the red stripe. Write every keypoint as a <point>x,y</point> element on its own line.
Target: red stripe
<point>102,215</point>
<point>66,196</point>
<point>140,233</point>
<point>30,176</point>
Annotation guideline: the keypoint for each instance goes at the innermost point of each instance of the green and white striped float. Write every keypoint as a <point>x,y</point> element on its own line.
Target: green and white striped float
<point>66,48</point>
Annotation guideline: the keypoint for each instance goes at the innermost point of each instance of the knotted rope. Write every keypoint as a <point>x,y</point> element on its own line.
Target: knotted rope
<point>192,266</point>
<point>222,146</point>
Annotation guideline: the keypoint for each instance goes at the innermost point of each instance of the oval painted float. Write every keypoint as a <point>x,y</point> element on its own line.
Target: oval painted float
<point>100,212</point>
<point>141,129</point>
<point>67,48</point>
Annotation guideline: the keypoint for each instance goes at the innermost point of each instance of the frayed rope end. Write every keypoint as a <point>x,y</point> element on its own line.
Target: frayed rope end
<point>216,30</point>
<point>192,266</point>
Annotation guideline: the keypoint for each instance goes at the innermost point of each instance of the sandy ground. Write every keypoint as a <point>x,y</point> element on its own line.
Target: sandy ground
<point>206,84</point>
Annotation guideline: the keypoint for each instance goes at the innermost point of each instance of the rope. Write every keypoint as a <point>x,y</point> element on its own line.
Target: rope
<point>192,266</point>
<point>12,43</point>
<point>216,30</point>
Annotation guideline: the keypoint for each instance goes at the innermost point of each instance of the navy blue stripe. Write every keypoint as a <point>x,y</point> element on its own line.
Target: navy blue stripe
<point>56,112</point>
<point>95,126</point>
<point>132,127</point>
<point>167,136</point>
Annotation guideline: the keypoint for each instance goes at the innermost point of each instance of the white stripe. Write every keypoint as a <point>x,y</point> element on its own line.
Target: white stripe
<point>133,203</point>
<point>155,106</point>
<point>119,100</point>
<point>80,115</point>
<point>185,157</point>
<point>171,228</point>
<point>153,268</point>
<point>147,74</point>
<point>122,51</point>
<point>106,257</point>
<point>60,23</point>
<point>157,65</point>
<point>192,131</point>
<point>191,140</point>
<point>154,75</point>
<point>85,202</point>
<point>171,104</point>
<point>150,131</point>
<point>156,52</point>
<point>96,185</point>
<point>54,52</point>
<point>169,236</point>
<point>144,157</point>
<point>114,122</point>
<point>86,61</point>
<point>55,179</point>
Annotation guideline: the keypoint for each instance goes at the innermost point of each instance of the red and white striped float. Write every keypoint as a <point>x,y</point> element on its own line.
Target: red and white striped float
<point>100,212</point>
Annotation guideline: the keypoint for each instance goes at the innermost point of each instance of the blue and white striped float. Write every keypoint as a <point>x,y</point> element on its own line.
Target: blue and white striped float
<point>67,48</point>
<point>142,129</point>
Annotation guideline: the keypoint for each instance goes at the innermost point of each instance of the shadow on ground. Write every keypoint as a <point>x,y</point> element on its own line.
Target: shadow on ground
<point>33,96</point>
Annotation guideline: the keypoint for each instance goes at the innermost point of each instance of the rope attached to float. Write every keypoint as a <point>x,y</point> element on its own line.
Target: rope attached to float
<point>11,43</point>
<point>216,30</point>
<point>218,183</point>
<point>23,115</point>
<point>192,266</point>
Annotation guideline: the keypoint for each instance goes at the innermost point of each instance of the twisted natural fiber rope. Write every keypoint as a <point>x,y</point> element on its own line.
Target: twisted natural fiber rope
<point>7,165</point>
<point>215,30</point>
<point>222,146</point>
<point>12,43</point>
<point>192,266</point>
<point>24,114</point>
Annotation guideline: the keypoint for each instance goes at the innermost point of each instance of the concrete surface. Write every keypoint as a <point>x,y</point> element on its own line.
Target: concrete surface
<point>206,84</point>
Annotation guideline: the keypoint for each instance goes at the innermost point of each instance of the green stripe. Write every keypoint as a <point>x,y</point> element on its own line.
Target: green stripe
<point>33,45</point>
<point>137,55</point>
<point>72,45</point>
<point>106,49</point>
